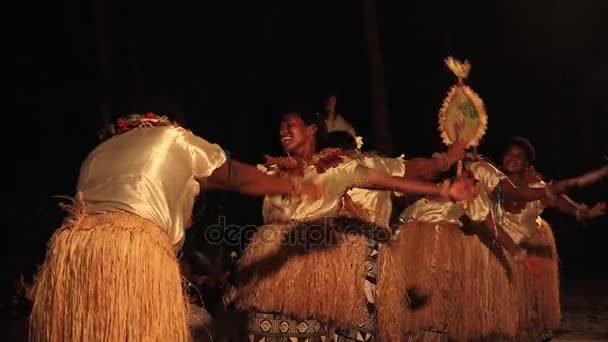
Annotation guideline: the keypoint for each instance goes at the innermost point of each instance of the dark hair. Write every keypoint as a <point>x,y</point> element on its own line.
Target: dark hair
<point>311,116</point>
<point>342,140</point>
<point>525,145</point>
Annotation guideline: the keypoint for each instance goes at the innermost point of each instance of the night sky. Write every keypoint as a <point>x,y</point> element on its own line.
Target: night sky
<point>540,66</point>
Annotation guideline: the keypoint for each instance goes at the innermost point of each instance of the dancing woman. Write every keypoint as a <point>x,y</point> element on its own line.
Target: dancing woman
<point>302,272</point>
<point>456,281</point>
<point>111,272</point>
<point>537,292</point>
<point>375,207</point>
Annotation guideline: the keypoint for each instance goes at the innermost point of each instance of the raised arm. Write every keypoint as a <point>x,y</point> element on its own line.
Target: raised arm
<point>430,168</point>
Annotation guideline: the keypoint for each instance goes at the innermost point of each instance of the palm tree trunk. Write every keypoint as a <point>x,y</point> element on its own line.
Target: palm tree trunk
<point>103,62</point>
<point>380,118</point>
<point>135,86</point>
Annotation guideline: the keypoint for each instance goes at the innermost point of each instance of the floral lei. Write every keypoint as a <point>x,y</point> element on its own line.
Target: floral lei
<point>322,161</point>
<point>133,121</point>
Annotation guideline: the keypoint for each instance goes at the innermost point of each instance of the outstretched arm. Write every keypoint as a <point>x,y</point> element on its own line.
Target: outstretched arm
<point>522,194</point>
<point>459,190</point>
<point>246,179</point>
<point>551,190</point>
<point>581,211</point>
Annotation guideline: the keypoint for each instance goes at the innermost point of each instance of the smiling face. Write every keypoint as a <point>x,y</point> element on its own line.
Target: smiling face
<point>515,160</point>
<point>296,137</point>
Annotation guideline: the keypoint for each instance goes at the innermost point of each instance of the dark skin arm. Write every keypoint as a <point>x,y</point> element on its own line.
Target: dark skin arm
<point>246,179</point>
<point>567,205</point>
<point>429,169</point>
<point>559,187</point>
<point>501,236</point>
<point>489,229</point>
<point>521,194</point>
<point>426,169</point>
<point>376,180</point>
<point>564,204</point>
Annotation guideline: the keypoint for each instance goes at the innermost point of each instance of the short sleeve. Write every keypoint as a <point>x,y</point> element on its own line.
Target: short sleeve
<point>479,208</point>
<point>262,168</point>
<point>538,185</point>
<point>394,166</point>
<point>206,157</point>
<point>348,174</point>
<point>487,175</point>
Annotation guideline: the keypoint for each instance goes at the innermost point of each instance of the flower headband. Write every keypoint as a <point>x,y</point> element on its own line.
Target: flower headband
<point>134,121</point>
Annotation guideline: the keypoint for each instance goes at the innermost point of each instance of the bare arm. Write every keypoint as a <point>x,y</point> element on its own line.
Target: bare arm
<point>501,236</point>
<point>430,168</point>
<point>521,194</point>
<point>581,211</point>
<point>426,169</point>
<point>246,179</point>
<point>565,204</point>
<point>559,187</point>
<point>377,180</point>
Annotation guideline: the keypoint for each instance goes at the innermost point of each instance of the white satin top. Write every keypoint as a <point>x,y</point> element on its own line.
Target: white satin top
<point>335,180</point>
<point>435,211</point>
<point>525,223</point>
<point>150,172</point>
<point>518,225</point>
<point>378,204</point>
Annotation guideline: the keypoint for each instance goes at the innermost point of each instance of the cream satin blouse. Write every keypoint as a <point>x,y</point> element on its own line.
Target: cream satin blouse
<point>336,181</point>
<point>517,225</point>
<point>150,172</point>
<point>526,222</point>
<point>378,204</point>
<point>434,211</point>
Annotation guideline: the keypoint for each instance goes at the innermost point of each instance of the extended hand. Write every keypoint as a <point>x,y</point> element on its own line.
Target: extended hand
<point>597,210</point>
<point>464,189</point>
<point>581,181</point>
<point>457,151</point>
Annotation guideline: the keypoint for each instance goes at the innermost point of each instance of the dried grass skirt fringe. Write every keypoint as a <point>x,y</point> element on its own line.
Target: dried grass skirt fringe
<point>109,277</point>
<point>538,292</point>
<point>319,275</point>
<point>454,281</point>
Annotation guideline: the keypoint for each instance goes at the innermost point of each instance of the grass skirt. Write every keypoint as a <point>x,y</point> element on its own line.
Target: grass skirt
<point>455,283</point>
<point>109,277</point>
<point>538,289</point>
<point>312,270</point>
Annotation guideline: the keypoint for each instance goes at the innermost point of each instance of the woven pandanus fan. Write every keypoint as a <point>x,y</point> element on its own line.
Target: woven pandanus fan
<point>462,116</point>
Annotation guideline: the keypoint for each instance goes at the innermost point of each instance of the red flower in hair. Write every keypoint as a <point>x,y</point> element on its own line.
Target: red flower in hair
<point>122,125</point>
<point>149,115</point>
